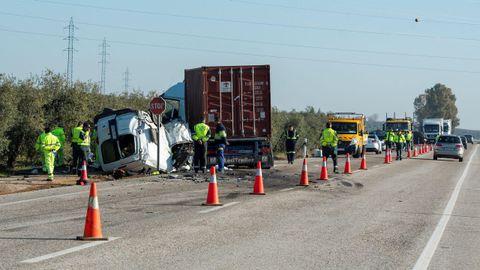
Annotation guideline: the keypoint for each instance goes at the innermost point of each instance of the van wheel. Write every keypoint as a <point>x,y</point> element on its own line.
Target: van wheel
<point>460,159</point>
<point>435,157</point>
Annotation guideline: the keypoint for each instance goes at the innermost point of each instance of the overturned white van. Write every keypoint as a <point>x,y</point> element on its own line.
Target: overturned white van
<point>127,140</point>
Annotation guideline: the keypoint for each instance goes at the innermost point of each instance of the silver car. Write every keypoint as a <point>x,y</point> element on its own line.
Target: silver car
<point>448,146</point>
<point>374,144</point>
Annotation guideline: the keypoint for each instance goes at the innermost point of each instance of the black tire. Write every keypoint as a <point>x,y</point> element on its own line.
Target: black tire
<point>435,157</point>
<point>358,153</point>
<point>460,159</point>
<point>378,152</point>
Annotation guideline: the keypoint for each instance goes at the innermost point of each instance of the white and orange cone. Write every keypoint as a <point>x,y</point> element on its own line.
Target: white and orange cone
<point>258,186</point>
<point>212,196</point>
<point>93,225</point>
<point>348,166</point>
<point>83,175</point>
<point>304,175</point>
<point>363,163</point>
<point>324,172</point>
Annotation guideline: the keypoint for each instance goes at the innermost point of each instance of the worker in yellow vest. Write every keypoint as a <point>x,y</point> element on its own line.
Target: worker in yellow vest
<point>50,146</point>
<point>200,137</point>
<point>60,134</point>
<point>329,141</point>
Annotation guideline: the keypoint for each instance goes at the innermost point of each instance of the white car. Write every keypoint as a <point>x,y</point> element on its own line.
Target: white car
<point>374,144</point>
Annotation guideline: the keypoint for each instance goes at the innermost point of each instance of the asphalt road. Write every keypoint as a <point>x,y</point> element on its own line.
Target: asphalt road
<point>388,217</point>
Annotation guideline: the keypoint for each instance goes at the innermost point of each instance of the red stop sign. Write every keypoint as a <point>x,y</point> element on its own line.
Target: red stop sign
<point>157,105</point>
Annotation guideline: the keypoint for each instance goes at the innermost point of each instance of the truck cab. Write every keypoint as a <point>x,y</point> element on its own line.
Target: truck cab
<point>350,128</point>
<point>432,127</point>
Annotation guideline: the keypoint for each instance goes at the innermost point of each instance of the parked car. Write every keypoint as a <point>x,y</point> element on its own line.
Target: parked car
<point>448,146</point>
<point>381,137</point>
<point>464,142</point>
<point>374,144</point>
<point>470,138</point>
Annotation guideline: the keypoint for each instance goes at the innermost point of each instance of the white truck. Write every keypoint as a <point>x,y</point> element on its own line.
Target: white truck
<point>432,127</point>
<point>447,126</point>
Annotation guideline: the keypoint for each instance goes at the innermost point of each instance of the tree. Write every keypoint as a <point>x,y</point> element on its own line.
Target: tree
<point>437,102</point>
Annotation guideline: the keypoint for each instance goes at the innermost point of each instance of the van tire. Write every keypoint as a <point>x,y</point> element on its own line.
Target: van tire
<point>460,159</point>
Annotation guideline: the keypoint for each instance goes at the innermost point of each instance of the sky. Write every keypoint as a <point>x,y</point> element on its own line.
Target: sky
<point>366,56</point>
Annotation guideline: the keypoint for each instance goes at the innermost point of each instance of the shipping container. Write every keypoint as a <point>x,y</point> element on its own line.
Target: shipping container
<point>238,95</point>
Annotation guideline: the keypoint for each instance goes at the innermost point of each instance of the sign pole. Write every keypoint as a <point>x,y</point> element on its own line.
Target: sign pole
<point>159,121</point>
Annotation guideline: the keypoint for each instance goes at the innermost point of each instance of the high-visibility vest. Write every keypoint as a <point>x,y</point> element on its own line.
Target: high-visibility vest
<point>389,136</point>
<point>58,131</point>
<point>76,134</point>
<point>329,137</point>
<point>51,143</point>
<point>399,138</point>
<point>202,132</point>
<point>40,140</point>
<point>409,137</point>
<point>86,138</point>
<point>294,134</point>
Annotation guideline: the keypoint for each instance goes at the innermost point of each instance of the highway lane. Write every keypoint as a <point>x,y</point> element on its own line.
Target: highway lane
<point>376,219</point>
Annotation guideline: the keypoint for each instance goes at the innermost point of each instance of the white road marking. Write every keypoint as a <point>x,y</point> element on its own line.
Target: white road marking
<point>69,250</point>
<point>215,208</point>
<point>424,260</point>
<point>69,194</point>
<point>286,189</point>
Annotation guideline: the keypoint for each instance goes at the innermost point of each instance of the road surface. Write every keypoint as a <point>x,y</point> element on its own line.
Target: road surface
<point>412,214</point>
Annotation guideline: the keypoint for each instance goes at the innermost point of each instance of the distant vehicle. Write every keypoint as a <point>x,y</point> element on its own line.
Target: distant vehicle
<point>432,127</point>
<point>447,126</point>
<point>350,128</point>
<point>448,146</point>
<point>418,137</point>
<point>381,137</point>
<point>464,142</point>
<point>470,138</point>
<point>374,144</point>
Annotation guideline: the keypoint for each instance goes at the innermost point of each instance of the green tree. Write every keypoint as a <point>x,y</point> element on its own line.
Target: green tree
<point>437,102</point>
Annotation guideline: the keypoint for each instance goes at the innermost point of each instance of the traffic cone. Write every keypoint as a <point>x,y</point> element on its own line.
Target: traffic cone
<point>390,160</point>
<point>258,186</point>
<point>83,175</point>
<point>387,159</point>
<point>363,164</point>
<point>304,174</point>
<point>421,149</point>
<point>212,196</point>
<point>415,153</point>
<point>324,172</point>
<point>93,226</point>
<point>348,167</point>
<point>409,152</point>
<point>431,147</point>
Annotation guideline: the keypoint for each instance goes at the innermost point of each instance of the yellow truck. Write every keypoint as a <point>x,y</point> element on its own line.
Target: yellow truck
<point>394,123</point>
<point>350,128</point>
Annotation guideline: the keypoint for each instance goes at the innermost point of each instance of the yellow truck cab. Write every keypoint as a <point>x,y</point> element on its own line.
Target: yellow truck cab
<point>405,124</point>
<point>350,128</point>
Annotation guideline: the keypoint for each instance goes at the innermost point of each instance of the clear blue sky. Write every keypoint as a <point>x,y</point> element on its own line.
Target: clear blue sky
<point>317,49</point>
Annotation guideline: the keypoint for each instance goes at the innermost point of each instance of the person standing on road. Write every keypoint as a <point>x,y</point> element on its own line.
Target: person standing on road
<point>291,137</point>
<point>38,147</point>
<point>50,146</point>
<point>399,142</point>
<point>76,151</point>
<point>408,139</point>
<point>329,141</point>
<point>389,137</point>
<point>221,142</point>
<point>60,133</point>
<point>201,136</point>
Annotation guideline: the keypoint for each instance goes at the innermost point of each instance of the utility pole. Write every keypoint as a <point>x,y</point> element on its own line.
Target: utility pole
<point>126,77</point>
<point>70,38</point>
<point>104,54</point>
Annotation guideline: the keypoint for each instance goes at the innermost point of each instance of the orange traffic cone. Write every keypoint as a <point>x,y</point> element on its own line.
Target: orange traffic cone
<point>363,164</point>
<point>83,174</point>
<point>212,196</point>
<point>390,160</point>
<point>431,147</point>
<point>324,172</point>
<point>409,152</point>
<point>258,186</point>
<point>304,174</point>
<point>387,159</point>
<point>348,167</point>
<point>93,226</point>
<point>421,149</point>
<point>415,153</point>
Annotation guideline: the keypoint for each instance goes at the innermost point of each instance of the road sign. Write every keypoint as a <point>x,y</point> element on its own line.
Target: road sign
<point>157,106</point>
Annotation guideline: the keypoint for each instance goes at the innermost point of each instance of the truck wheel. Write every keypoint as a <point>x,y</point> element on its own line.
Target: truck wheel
<point>269,163</point>
<point>460,159</point>
<point>435,157</point>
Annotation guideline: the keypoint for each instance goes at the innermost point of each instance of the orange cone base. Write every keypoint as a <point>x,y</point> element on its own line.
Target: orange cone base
<point>212,204</point>
<point>82,238</point>
<point>303,185</point>
<point>258,193</point>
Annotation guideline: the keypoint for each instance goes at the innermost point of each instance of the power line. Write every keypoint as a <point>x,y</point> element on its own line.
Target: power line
<point>104,62</point>
<point>223,20</point>
<point>292,45</point>
<point>70,49</point>
<point>126,78</point>
<point>254,54</point>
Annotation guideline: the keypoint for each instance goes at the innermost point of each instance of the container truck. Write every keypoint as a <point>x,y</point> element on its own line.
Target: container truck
<point>432,127</point>
<point>239,96</point>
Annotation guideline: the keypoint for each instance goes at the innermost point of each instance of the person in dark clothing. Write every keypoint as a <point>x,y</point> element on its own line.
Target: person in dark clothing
<point>201,135</point>
<point>221,142</point>
<point>291,137</point>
